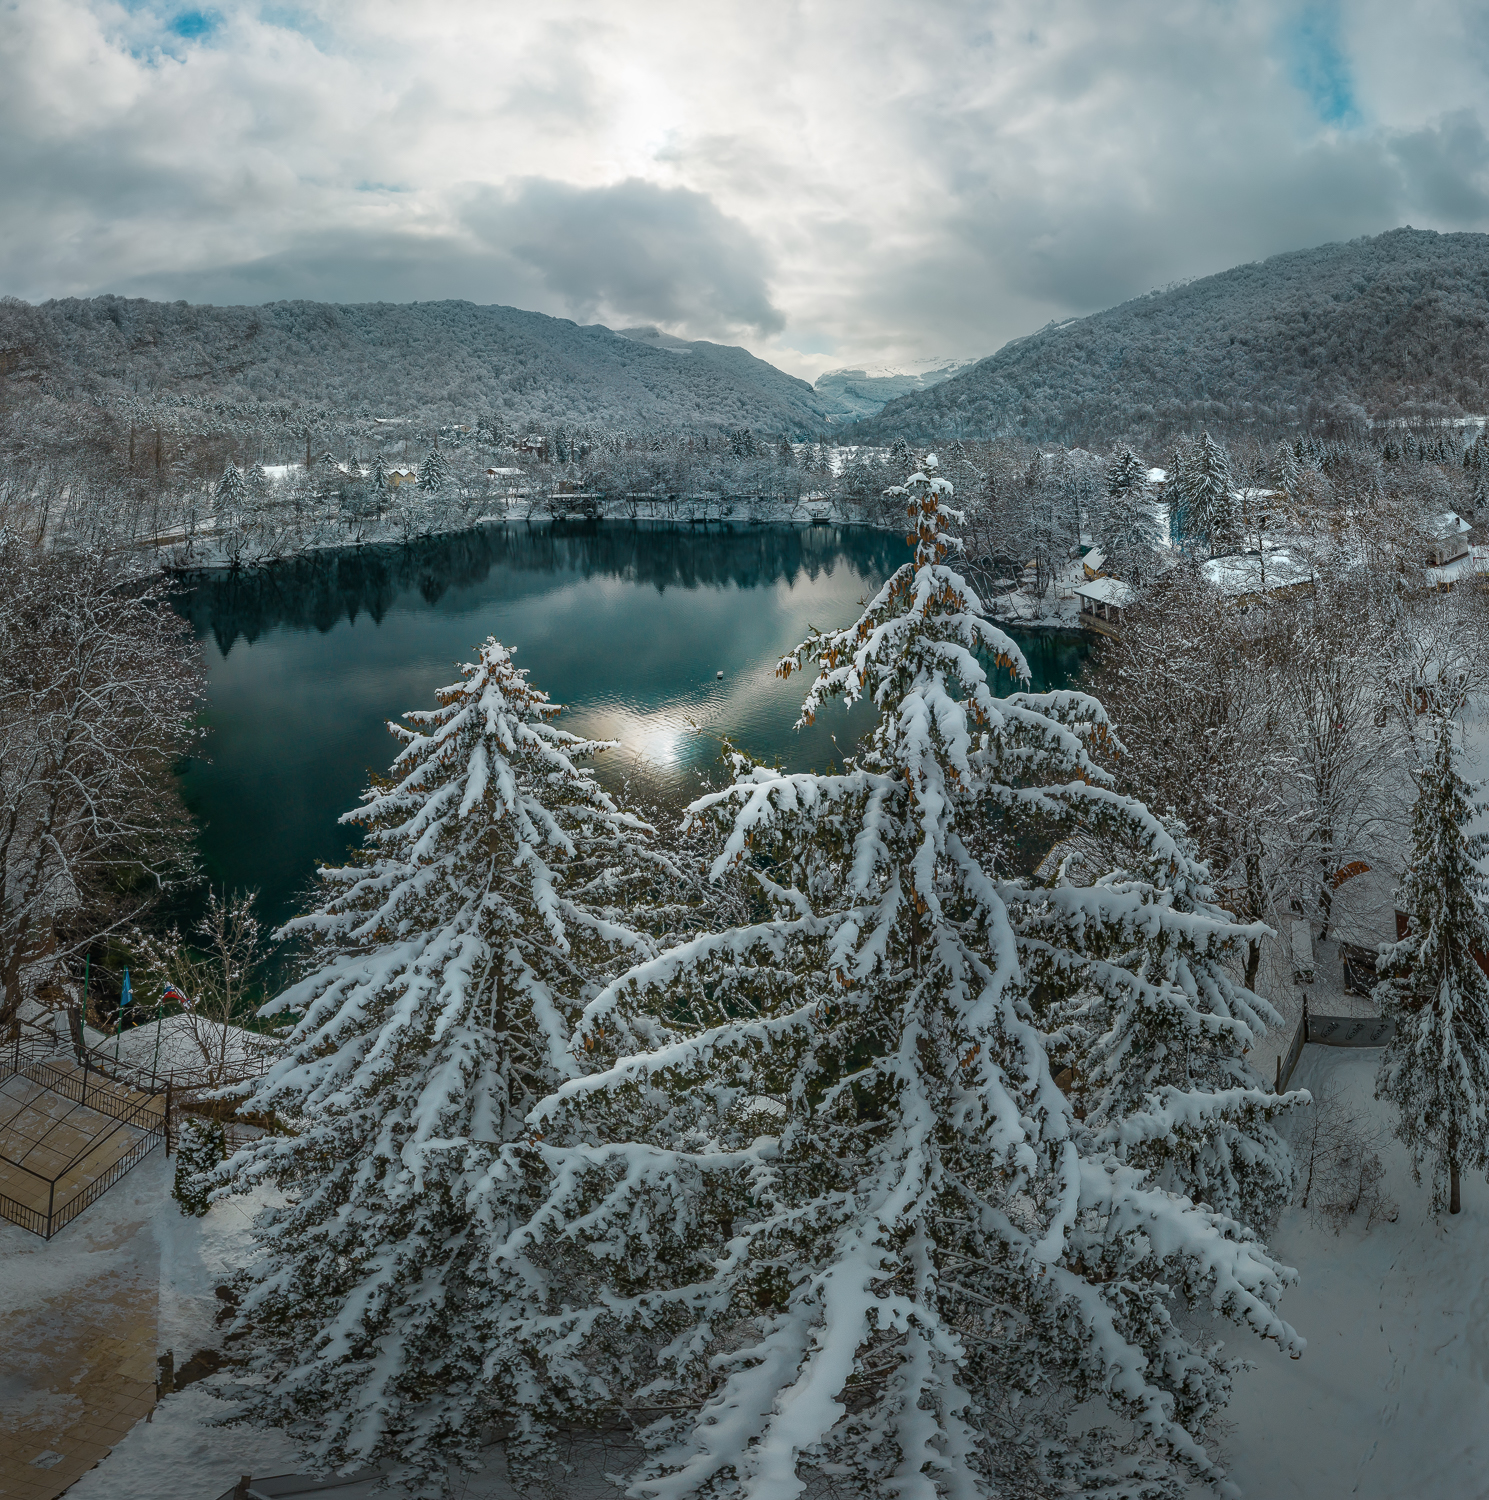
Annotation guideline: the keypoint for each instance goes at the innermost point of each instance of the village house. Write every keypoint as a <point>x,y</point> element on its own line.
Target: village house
<point>1450,540</point>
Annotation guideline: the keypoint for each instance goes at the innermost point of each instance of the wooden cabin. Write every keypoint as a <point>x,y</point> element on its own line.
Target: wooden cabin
<point>1104,602</point>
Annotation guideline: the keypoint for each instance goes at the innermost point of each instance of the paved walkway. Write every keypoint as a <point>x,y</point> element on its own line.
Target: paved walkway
<point>78,1337</point>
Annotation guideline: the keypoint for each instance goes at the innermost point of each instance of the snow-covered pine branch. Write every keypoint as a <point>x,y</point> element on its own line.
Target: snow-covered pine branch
<point>450,962</point>
<point>1436,1066</point>
<point>826,1212</point>
<point>1137,973</point>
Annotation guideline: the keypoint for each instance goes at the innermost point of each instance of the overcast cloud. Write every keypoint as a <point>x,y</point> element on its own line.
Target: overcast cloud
<point>825,183</point>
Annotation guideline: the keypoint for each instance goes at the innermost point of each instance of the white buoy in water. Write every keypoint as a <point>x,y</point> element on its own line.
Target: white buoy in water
<point>718,674</point>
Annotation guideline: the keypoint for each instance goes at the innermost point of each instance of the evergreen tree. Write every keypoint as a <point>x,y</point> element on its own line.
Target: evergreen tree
<point>433,475</point>
<point>1203,496</point>
<point>450,961</point>
<point>1436,1066</point>
<point>1129,534</point>
<point>1476,462</point>
<point>826,1207</point>
<point>231,489</point>
<point>258,480</point>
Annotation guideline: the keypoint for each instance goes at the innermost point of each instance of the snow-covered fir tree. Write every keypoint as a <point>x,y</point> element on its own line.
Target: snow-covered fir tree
<point>450,962</point>
<point>826,1212</point>
<point>377,480</point>
<point>1436,1066</point>
<point>231,489</point>
<point>1129,534</point>
<point>433,473</point>
<point>1157,1053</point>
<point>1203,498</point>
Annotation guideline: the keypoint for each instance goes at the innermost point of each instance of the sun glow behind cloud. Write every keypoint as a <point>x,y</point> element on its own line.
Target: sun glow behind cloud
<point>822,183</point>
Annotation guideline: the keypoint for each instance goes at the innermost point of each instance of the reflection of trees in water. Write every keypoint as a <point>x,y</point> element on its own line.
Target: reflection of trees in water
<point>319,589</point>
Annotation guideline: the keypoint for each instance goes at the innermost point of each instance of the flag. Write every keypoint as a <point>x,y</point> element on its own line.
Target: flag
<point>125,997</point>
<point>172,993</point>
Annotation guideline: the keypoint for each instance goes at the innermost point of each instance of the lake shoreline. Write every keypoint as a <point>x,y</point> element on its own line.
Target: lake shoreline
<point>178,567</point>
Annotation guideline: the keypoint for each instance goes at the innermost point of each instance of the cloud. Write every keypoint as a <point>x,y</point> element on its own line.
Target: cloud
<point>633,251</point>
<point>784,176</point>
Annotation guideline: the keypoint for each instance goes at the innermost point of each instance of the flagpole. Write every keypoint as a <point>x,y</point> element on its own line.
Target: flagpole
<point>155,1061</point>
<point>119,1019</point>
<point>83,1019</point>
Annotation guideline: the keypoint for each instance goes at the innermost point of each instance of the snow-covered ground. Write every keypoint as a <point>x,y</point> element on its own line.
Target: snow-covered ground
<point>1390,1400</point>
<point>1391,1397</point>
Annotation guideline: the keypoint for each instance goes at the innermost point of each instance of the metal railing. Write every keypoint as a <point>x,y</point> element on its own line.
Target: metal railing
<point>150,1116</point>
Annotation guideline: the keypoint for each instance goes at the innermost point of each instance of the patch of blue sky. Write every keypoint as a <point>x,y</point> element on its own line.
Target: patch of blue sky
<point>193,25</point>
<point>1319,66</point>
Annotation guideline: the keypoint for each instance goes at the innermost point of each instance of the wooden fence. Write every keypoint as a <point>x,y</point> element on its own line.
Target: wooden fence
<point>1331,1031</point>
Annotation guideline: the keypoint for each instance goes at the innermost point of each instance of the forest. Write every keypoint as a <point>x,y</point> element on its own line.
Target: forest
<point>1388,327</point>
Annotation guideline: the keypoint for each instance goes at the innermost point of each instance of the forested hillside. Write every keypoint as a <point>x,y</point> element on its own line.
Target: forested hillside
<point>434,362</point>
<point>1395,325</point>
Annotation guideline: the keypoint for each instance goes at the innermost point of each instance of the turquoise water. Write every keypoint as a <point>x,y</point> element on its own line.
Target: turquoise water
<point>626,624</point>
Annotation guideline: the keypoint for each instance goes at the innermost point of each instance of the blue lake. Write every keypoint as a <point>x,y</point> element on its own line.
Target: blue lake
<point>626,624</point>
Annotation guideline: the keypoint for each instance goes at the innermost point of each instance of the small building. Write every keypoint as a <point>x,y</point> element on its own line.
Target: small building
<point>1104,602</point>
<point>401,476</point>
<point>1094,564</point>
<point>1450,540</point>
<point>1362,917</point>
<point>1248,577</point>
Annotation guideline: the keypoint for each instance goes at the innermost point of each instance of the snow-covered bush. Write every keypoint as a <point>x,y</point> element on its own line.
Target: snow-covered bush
<point>201,1148</point>
<point>1339,1167</point>
<point>825,1215</point>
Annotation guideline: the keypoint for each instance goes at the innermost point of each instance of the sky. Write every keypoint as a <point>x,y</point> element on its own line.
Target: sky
<point>828,184</point>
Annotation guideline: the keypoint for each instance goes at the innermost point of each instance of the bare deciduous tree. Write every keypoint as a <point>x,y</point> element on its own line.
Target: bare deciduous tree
<point>99,683</point>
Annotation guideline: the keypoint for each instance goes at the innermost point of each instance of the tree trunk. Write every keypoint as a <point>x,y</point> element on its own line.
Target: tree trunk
<point>1253,962</point>
<point>1454,1204</point>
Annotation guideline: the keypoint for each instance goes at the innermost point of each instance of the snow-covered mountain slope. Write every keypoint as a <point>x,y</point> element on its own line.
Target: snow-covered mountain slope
<point>851,393</point>
<point>431,361</point>
<point>1390,326</point>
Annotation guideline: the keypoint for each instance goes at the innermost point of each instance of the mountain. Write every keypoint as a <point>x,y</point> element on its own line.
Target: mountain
<point>1396,325</point>
<point>431,361</point>
<point>853,393</point>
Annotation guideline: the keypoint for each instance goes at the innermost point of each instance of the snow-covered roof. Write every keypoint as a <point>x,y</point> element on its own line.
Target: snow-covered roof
<point>180,1052</point>
<point>1474,561</point>
<point>1256,573</point>
<point>1363,911</point>
<point>1095,559</point>
<point>1107,591</point>
<point>1450,524</point>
